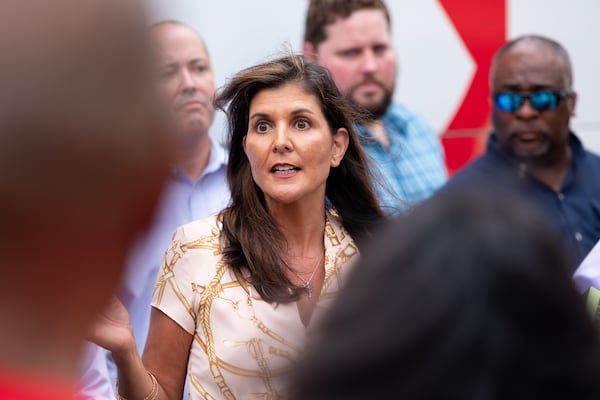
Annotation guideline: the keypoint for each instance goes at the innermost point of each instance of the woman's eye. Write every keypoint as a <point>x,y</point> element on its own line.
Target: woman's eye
<point>302,124</point>
<point>262,127</point>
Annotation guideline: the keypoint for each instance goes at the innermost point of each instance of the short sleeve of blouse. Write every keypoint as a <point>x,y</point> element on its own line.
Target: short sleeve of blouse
<point>189,263</point>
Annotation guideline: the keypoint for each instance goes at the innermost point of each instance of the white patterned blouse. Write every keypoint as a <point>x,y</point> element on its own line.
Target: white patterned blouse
<point>242,344</point>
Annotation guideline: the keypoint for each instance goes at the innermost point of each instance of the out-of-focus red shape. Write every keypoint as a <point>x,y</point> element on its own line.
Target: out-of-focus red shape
<point>20,385</point>
<point>481,26</point>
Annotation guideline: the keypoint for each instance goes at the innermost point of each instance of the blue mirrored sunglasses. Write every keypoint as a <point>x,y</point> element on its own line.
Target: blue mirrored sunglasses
<point>540,101</point>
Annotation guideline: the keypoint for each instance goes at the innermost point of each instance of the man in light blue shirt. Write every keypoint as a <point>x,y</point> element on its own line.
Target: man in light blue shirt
<point>197,187</point>
<point>353,41</point>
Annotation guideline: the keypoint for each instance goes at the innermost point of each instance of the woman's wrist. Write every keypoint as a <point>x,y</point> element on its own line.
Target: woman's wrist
<point>153,393</point>
<point>134,381</point>
<point>127,352</point>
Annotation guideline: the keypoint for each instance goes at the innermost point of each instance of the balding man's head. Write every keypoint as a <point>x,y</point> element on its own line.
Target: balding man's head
<point>185,80</point>
<point>536,41</point>
<point>531,85</point>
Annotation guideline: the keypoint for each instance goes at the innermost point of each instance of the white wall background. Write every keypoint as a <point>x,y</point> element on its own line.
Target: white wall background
<point>434,67</point>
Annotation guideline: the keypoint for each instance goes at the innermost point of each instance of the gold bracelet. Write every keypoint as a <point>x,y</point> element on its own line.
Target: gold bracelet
<point>153,393</point>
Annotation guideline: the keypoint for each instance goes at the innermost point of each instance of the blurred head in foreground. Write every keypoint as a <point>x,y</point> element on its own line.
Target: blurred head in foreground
<point>466,298</point>
<point>82,159</point>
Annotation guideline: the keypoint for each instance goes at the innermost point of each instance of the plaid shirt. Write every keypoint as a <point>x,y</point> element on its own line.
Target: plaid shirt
<point>413,168</point>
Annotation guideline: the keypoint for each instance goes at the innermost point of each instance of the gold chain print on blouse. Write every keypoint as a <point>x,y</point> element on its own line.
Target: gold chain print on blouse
<point>242,346</point>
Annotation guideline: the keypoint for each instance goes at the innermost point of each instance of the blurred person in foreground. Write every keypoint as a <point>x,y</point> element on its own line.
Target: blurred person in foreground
<point>353,40</point>
<point>468,297</point>
<point>532,150</point>
<point>240,291</point>
<point>82,160</point>
<point>196,188</point>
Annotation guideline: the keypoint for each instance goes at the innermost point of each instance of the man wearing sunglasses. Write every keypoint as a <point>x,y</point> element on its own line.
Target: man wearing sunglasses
<point>532,153</point>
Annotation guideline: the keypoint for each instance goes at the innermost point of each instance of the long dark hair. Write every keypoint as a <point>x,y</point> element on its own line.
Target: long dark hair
<point>251,237</point>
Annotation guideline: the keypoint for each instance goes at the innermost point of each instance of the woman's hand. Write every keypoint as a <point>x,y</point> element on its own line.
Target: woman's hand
<point>112,329</point>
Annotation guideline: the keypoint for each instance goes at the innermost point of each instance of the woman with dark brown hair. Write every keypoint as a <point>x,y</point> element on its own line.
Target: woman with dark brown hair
<point>238,291</point>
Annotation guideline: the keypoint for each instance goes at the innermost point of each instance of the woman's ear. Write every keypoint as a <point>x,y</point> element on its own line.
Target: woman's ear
<point>339,146</point>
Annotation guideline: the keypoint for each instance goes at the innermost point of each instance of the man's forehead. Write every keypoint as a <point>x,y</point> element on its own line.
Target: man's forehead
<point>175,42</point>
<point>168,33</point>
<point>535,53</point>
<point>349,33</point>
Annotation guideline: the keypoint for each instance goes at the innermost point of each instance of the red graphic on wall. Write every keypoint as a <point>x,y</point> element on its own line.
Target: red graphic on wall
<point>481,26</point>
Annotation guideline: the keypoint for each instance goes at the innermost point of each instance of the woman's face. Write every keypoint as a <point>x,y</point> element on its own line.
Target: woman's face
<point>290,147</point>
